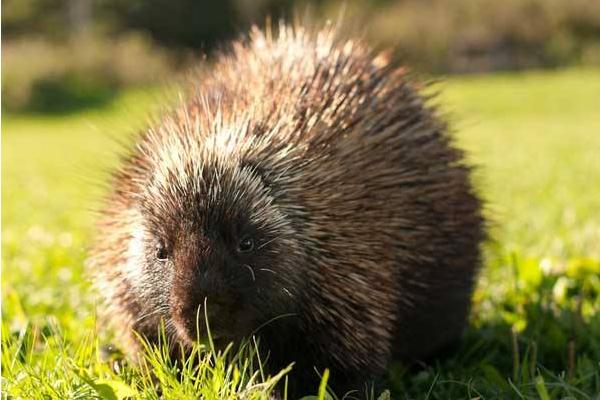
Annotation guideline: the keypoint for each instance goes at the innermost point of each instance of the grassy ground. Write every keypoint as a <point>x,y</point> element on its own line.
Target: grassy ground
<point>535,326</point>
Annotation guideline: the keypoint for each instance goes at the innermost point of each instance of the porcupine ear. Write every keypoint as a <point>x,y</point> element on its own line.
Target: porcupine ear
<point>256,170</point>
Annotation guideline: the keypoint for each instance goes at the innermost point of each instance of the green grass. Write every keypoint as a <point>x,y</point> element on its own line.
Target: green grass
<point>535,324</point>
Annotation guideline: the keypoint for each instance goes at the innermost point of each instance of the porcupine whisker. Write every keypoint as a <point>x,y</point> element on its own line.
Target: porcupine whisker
<point>251,271</point>
<point>150,314</point>
<point>268,242</point>
<point>170,326</point>
<point>281,316</point>
<point>171,334</point>
<point>268,270</point>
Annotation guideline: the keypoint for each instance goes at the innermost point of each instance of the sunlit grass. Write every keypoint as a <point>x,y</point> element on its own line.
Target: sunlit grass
<point>535,328</point>
<point>83,370</point>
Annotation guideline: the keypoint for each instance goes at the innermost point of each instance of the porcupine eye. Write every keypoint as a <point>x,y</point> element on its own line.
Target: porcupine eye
<point>245,245</point>
<point>161,252</point>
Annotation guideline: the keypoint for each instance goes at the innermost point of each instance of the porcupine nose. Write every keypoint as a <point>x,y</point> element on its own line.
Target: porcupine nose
<point>199,300</point>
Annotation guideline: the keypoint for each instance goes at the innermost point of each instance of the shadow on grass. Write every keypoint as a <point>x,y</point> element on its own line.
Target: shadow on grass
<point>540,341</point>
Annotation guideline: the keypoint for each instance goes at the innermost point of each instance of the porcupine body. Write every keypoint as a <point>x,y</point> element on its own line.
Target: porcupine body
<point>306,193</point>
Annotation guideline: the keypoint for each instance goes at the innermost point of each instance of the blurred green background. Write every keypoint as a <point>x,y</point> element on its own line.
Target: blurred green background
<point>520,84</point>
<point>62,55</point>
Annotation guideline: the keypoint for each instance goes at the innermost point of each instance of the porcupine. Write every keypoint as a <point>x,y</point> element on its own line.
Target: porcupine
<point>304,191</point>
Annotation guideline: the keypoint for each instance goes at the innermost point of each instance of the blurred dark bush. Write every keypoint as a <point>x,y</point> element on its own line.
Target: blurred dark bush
<point>196,24</point>
<point>61,53</point>
<point>40,75</point>
<point>183,23</point>
<point>483,35</point>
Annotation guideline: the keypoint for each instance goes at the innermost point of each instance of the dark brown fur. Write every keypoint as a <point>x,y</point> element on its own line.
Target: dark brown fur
<point>365,226</point>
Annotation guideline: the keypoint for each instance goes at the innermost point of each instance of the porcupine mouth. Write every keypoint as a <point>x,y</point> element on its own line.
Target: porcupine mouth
<point>190,330</point>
